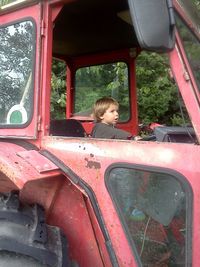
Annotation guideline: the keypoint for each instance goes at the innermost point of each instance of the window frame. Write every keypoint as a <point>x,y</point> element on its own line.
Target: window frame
<point>33,10</point>
<point>128,56</point>
<point>33,65</point>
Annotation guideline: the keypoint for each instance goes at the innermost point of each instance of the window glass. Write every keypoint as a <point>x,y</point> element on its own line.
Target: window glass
<point>191,7</point>
<point>95,82</point>
<point>158,96</point>
<point>192,48</point>
<point>153,209</point>
<point>16,72</point>
<point>160,102</point>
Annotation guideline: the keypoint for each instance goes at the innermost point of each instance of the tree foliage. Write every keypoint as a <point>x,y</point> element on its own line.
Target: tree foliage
<point>157,94</point>
<point>197,3</point>
<point>58,92</point>
<point>5,2</point>
<point>103,80</point>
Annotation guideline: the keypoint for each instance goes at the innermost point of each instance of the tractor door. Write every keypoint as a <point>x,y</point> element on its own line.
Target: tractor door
<point>146,194</point>
<point>20,38</point>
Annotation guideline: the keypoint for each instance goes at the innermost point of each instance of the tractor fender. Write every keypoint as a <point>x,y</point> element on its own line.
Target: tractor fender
<point>25,237</point>
<point>18,165</point>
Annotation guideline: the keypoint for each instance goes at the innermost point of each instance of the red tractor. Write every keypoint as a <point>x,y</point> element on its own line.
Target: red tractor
<point>71,200</point>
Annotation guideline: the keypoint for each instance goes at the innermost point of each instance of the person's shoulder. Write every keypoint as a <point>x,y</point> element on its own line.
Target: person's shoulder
<point>103,125</point>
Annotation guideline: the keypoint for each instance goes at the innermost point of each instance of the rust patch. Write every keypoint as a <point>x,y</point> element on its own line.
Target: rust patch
<point>91,164</point>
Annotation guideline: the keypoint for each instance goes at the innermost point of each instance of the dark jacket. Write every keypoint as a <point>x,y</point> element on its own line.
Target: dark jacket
<point>102,130</point>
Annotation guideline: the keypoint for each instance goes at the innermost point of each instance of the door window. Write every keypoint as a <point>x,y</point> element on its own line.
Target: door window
<point>58,89</point>
<point>17,49</point>
<point>153,209</point>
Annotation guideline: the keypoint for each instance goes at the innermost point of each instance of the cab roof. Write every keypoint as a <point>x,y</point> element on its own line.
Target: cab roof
<point>85,27</point>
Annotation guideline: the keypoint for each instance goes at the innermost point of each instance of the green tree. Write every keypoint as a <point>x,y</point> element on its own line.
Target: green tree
<point>5,2</point>
<point>197,3</point>
<point>102,80</point>
<point>58,89</point>
<point>157,93</point>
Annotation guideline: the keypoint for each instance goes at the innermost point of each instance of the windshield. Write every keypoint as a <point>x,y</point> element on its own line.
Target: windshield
<point>16,65</point>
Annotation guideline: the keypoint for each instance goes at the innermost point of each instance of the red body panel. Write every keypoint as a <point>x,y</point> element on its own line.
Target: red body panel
<point>65,205</point>
<point>17,169</point>
<point>96,156</point>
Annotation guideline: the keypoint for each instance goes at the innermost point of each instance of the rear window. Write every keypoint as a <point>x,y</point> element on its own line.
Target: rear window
<point>98,81</point>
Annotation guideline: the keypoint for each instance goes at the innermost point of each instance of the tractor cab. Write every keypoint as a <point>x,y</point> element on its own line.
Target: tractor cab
<point>117,202</point>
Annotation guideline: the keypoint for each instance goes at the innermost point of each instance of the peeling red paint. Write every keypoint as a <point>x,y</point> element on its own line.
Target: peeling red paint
<point>91,164</point>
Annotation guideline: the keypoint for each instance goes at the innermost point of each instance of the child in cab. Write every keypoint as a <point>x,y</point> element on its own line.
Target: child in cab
<point>106,115</point>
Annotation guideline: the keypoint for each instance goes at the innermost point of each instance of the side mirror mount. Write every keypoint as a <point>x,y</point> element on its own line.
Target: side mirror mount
<point>154,24</point>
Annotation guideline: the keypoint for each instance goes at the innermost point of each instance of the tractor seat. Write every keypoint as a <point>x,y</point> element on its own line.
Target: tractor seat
<point>67,127</point>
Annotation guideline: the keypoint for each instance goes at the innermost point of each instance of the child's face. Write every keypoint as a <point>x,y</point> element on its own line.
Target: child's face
<point>111,115</point>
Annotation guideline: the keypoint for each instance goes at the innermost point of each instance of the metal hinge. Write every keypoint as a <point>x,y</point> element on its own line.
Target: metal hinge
<point>186,76</point>
<point>39,123</point>
<point>42,28</point>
